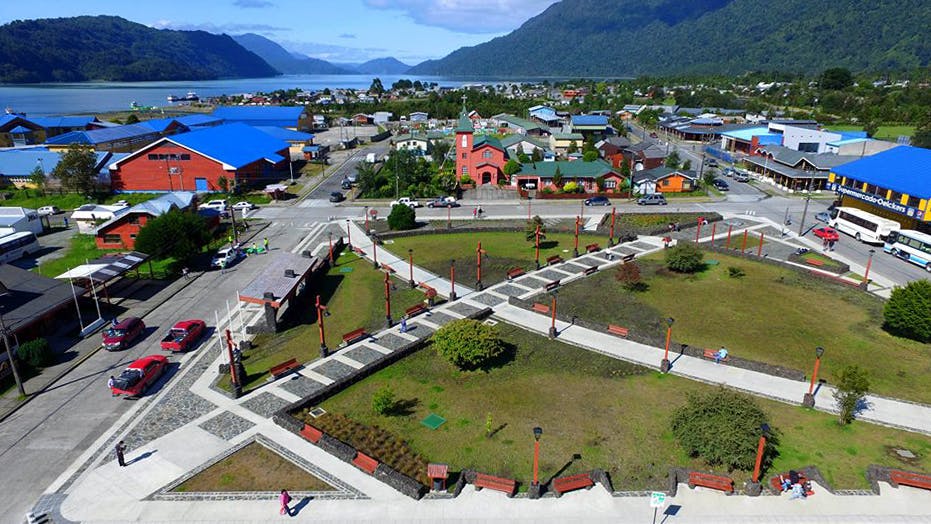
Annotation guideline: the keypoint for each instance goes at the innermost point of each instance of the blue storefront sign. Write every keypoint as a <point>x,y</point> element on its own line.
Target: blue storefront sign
<point>877,201</point>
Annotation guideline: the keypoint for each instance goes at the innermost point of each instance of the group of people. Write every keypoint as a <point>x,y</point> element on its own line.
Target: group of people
<point>794,484</point>
<point>828,244</point>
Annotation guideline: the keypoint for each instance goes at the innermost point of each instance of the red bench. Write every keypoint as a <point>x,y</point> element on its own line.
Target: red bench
<point>387,268</point>
<point>515,272</point>
<point>416,309</point>
<point>354,336</point>
<point>712,354</point>
<point>707,480</point>
<point>540,308</point>
<point>429,290</point>
<point>365,463</point>
<point>629,257</point>
<point>482,480</point>
<point>284,368</point>
<point>618,330</point>
<point>358,251</point>
<point>311,433</point>
<point>814,262</point>
<point>591,248</point>
<point>555,259</point>
<point>915,480</point>
<point>564,484</point>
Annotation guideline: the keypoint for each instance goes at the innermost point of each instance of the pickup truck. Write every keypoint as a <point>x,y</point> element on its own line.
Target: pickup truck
<point>406,201</point>
<point>184,335</point>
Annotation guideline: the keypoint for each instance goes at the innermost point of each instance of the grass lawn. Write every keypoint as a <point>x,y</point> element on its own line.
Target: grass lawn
<point>253,468</point>
<point>608,413</point>
<point>772,314</point>
<point>84,248</point>
<point>31,199</point>
<point>355,299</point>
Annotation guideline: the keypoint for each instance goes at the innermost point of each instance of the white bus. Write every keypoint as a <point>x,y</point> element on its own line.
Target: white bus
<point>18,245</point>
<point>913,246</point>
<point>865,227</point>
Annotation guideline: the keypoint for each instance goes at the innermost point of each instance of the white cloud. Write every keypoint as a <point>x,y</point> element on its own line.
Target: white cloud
<point>334,53</point>
<point>231,29</point>
<point>466,16</point>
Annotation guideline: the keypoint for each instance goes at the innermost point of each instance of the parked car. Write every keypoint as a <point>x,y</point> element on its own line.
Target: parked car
<point>123,334</point>
<point>122,203</point>
<point>729,172</point>
<point>654,135</point>
<point>219,205</point>
<point>827,233</point>
<point>244,206</point>
<point>345,184</point>
<point>184,335</point>
<point>443,202</point>
<point>710,162</point>
<point>406,201</point>
<point>720,184</point>
<point>823,216</point>
<point>741,176</point>
<point>226,257</point>
<point>48,210</point>
<point>597,201</point>
<point>336,196</point>
<point>652,199</point>
<point>139,376</point>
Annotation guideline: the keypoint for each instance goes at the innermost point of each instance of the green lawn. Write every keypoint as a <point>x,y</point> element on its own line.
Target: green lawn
<point>31,199</point>
<point>611,414</point>
<point>84,248</point>
<point>772,314</point>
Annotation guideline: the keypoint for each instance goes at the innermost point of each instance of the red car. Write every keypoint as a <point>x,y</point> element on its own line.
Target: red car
<point>136,379</point>
<point>827,233</point>
<point>184,335</point>
<point>123,334</point>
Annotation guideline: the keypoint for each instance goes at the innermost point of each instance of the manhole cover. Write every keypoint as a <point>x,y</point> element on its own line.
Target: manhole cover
<point>433,421</point>
<point>904,453</point>
<point>317,412</point>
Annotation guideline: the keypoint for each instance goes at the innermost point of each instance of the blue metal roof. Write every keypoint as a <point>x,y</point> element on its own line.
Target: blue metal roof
<point>158,124</point>
<point>285,134</point>
<point>848,141</point>
<point>98,136</point>
<point>589,120</point>
<point>280,116</point>
<point>750,132</point>
<point>199,120</point>
<point>20,130</point>
<point>236,145</point>
<point>63,121</point>
<point>904,169</point>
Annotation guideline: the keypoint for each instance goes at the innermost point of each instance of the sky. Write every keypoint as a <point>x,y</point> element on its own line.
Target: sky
<point>334,30</point>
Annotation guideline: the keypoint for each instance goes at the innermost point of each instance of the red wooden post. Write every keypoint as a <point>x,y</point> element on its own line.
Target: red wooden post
<point>478,262</point>
<point>410,263</point>
<point>809,399</point>
<point>576,248</point>
<point>759,250</point>
<point>814,376</point>
<point>374,254</point>
<point>665,365</point>
<point>320,314</point>
<point>714,227</point>
<point>553,317</point>
<point>759,459</point>
<point>387,300</point>
<point>536,462</point>
<point>449,217</point>
<point>728,244</point>
<point>452,279</point>
<point>366,211</point>
<point>611,234</point>
<point>869,262</point>
<point>698,230</point>
<point>330,236</point>
<point>538,245</point>
<point>348,234</point>
<point>743,247</point>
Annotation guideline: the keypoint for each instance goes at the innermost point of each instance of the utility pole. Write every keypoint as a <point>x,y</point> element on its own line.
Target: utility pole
<point>801,223</point>
<point>9,356</point>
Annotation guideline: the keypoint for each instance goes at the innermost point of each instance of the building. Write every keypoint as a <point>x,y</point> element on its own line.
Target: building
<point>860,147</point>
<point>663,180</point>
<point>59,125</point>
<point>540,175</point>
<point>89,216</point>
<point>895,184</point>
<point>33,305</point>
<point>612,150</point>
<point>516,144</point>
<point>381,117</point>
<point>644,155</point>
<point>418,116</point>
<point>289,117</point>
<point>295,139</point>
<point>748,139</point>
<point>17,131</point>
<point>511,124</point>
<point>562,142</point>
<point>418,144</point>
<point>482,158</point>
<point>316,153</point>
<point>120,231</point>
<point>19,220</point>
<point>237,153</point>
<point>121,139</point>
<point>590,126</point>
<point>794,170</point>
<point>17,165</point>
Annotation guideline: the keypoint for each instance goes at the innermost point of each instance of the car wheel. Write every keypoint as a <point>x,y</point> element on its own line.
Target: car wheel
<point>928,267</point>
<point>894,252</point>
<point>857,236</point>
<point>662,203</point>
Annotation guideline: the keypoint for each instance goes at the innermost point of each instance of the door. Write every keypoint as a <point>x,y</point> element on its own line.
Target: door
<point>486,178</point>
<point>200,184</point>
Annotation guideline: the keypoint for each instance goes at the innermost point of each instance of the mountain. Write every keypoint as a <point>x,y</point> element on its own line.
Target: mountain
<point>285,61</point>
<point>383,66</point>
<point>110,48</point>
<point>612,38</point>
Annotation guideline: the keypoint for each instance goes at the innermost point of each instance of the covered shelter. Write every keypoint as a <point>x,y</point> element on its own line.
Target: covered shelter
<point>102,271</point>
<point>285,275</point>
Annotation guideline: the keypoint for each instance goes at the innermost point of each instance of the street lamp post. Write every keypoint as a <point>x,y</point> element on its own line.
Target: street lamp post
<point>410,262</point>
<point>575,249</point>
<point>809,400</point>
<point>330,238</point>
<point>535,485</point>
<point>754,488</point>
<point>478,261</point>
<point>665,365</point>
<point>388,322</point>
<point>553,315</point>
<point>866,274</point>
<point>611,234</point>
<point>9,356</point>
<point>322,311</point>
<point>452,280</point>
<point>537,244</point>
<point>348,234</point>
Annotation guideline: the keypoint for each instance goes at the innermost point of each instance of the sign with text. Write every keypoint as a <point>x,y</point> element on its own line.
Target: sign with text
<point>657,499</point>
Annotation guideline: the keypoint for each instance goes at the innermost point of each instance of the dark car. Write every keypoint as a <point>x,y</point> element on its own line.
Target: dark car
<point>597,201</point>
<point>710,162</point>
<point>720,185</point>
<point>345,184</point>
<point>123,334</point>
<point>443,202</point>
<point>336,196</point>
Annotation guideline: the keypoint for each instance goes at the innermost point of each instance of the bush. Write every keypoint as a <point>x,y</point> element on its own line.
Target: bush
<point>465,179</point>
<point>628,274</point>
<point>907,313</point>
<point>571,187</point>
<point>735,272</point>
<point>685,257</point>
<point>178,234</point>
<point>852,386</point>
<point>468,344</point>
<point>36,353</point>
<point>383,400</point>
<point>530,229</point>
<point>723,428</point>
<point>402,218</point>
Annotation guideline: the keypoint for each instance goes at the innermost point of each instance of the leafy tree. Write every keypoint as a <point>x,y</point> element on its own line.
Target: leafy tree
<point>522,157</point>
<point>836,78</point>
<point>383,401</point>
<point>36,353</point>
<point>685,257</point>
<point>854,383</point>
<point>536,155</point>
<point>77,170</point>
<point>625,169</point>
<point>365,178</point>
<point>600,183</point>
<point>723,428</point>
<point>178,234</point>
<point>628,274</point>
<point>708,177</point>
<point>377,86</point>
<point>687,164</point>
<point>672,161</point>
<point>573,148</point>
<point>590,156</point>
<point>922,136</point>
<point>468,344</point>
<point>907,313</point>
<point>648,117</point>
<point>512,166</point>
<point>402,218</point>
<point>37,179</point>
<point>530,231</point>
<point>223,183</point>
<point>557,177</point>
<point>132,119</point>
<point>871,127</point>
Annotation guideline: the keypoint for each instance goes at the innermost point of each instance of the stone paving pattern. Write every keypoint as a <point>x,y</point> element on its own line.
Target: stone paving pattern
<point>488,299</point>
<point>265,404</point>
<point>574,266</point>
<point>551,275</point>
<point>226,425</point>
<point>532,282</point>
<point>363,355</point>
<point>334,369</point>
<point>300,385</point>
<point>392,341</point>
<point>420,330</point>
<point>464,309</point>
<point>644,246</point>
<point>509,290</point>
<point>439,318</point>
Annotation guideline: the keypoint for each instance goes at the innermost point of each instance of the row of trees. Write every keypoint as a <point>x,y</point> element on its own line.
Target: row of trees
<point>406,173</point>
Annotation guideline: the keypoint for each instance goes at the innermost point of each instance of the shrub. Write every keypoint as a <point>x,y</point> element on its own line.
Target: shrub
<point>465,179</point>
<point>907,313</point>
<point>735,272</point>
<point>383,400</point>
<point>628,274</point>
<point>37,353</point>
<point>402,218</point>
<point>685,257</point>
<point>853,385</point>
<point>530,230</point>
<point>468,344</point>
<point>723,428</point>
<point>571,187</point>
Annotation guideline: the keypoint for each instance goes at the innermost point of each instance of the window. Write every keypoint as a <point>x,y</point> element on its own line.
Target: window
<point>610,184</point>
<point>112,239</point>
<point>134,220</point>
<point>913,201</point>
<point>185,156</point>
<point>665,181</point>
<point>465,156</point>
<point>465,170</point>
<point>152,157</point>
<point>486,154</point>
<point>133,236</point>
<point>465,141</point>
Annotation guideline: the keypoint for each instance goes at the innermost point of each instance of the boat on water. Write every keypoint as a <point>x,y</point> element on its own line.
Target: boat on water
<point>191,96</point>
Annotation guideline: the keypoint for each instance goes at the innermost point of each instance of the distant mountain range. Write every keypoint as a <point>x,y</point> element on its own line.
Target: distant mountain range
<point>611,38</point>
<point>378,66</point>
<point>110,48</point>
<point>284,61</point>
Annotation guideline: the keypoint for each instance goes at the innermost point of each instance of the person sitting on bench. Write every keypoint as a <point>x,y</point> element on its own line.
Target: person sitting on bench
<point>720,355</point>
<point>785,483</point>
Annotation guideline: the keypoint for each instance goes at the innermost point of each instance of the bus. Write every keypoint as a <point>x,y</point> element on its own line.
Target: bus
<point>913,246</point>
<point>18,245</point>
<point>863,226</point>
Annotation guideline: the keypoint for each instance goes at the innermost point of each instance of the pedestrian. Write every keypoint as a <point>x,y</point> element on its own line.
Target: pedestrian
<point>404,324</point>
<point>185,272</point>
<point>831,244</point>
<point>66,222</point>
<point>265,243</point>
<point>223,266</point>
<point>120,449</point>
<point>824,244</point>
<point>110,382</point>
<point>474,213</point>
<point>285,499</point>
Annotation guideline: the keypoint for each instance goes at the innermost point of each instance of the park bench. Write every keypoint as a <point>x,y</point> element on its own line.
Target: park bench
<point>311,433</point>
<point>354,336</point>
<point>712,354</point>
<point>387,268</point>
<point>814,262</point>
<point>555,259</point>
<point>916,480</point>
<point>358,251</point>
<point>540,308</point>
<point>515,272</point>
<point>482,480</point>
<point>414,310</point>
<point>365,463</point>
<point>284,368</point>
<point>590,270</point>
<point>628,258</point>
<point>618,330</point>
<point>776,483</point>
<point>591,248</point>
<point>708,480</point>
<point>564,484</point>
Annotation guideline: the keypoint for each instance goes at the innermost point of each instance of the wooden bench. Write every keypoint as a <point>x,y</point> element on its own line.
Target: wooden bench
<point>708,480</point>
<point>915,480</point>
<point>712,354</point>
<point>591,248</point>
<point>354,336</point>
<point>414,310</point>
<point>555,259</point>
<point>628,258</point>
<point>311,433</point>
<point>284,368</point>
<point>540,308</point>
<point>387,268</point>
<point>358,251</point>
<point>590,270</point>
<point>508,486</point>
<point>814,262</point>
<point>776,483</point>
<point>618,330</point>
<point>564,484</point>
<point>365,463</point>
<point>515,272</point>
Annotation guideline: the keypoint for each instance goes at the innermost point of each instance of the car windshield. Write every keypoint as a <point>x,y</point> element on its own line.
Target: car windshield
<point>114,333</point>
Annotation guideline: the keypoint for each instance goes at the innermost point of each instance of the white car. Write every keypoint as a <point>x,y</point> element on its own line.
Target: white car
<point>406,201</point>
<point>219,205</point>
<point>47,211</point>
<point>225,257</point>
<point>244,206</point>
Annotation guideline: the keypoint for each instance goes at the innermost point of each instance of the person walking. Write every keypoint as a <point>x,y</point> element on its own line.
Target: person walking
<point>831,244</point>
<point>285,499</point>
<point>120,449</point>
<point>265,243</point>
<point>110,382</point>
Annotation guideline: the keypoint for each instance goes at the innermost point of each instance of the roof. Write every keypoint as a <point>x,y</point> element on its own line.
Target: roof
<point>904,169</point>
<point>785,170</point>
<point>407,137</point>
<point>107,267</point>
<point>567,169</point>
<point>159,124</point>
<point>155,207</point>
<point>589,120</point>
<point>568,136</point>
<point>20,130</point>
<point>30,296</point>
<point>63,121</point>
<point>100,136</point>
<point>272,280</point>
<point>199,120</point>
<point>465,124</point>
<point>281,116</point>
<point>511,140</point>
<point>287,135</point>
<point>484,140</point>
<point>515,121</point>
<point>791,157</point>
<point>21,162</point>
<point>848,141</point>
<point>659,173</point>
<point>747,134</point>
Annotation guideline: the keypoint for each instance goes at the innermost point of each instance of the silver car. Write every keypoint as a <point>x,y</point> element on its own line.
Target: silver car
<point>652,200</point>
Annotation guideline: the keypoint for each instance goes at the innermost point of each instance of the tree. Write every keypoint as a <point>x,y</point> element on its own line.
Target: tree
<point>871,127</point>
<point>512,166</point>
<point>377,86</point>
<point>625,169</point>
<point>402,218</point>
<point>37,179</point>
<point>177,234</point>
<point>132,119</point>
<point>687,164</point>
<point>672,161</point>
<point>36,353</point>
<point>723,428</point>
<point>854,383</point>
<point>530,231</point>
<point>383,401</point>
<point>907,313</point>
<point>557,177</point>
<point>628,274</point>
<point>77,170</point>
<point>836,78</point>
<point>590,156</point>
<point>922,136</point>
<point>468,344</point>
<point>600,183</point>
<point>223,183</point>
<point>573,148</point>
<point>536,155</point>
<point>685,257</point>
